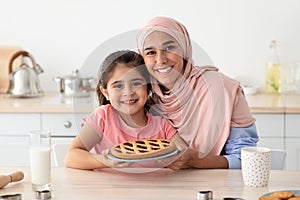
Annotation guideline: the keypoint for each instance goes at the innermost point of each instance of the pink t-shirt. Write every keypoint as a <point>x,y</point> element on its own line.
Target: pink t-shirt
<point>112,130</point>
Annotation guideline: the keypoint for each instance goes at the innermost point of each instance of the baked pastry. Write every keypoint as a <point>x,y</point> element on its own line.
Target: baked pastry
<point>146,148</point>
<point>281,195</point>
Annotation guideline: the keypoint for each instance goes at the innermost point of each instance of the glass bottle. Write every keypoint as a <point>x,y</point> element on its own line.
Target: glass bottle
<point>273,71</point>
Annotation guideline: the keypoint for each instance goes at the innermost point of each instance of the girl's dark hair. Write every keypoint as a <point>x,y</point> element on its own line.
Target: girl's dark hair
<point>107,67</point>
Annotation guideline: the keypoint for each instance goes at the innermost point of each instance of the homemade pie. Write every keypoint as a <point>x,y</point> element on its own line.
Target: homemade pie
<point>146,148</point>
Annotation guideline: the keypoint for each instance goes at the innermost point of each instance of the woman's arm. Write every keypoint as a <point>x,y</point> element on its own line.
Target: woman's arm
<point>207,162</point>
<point>230,156</point>
<point>190,159</point>
<point>239,138</point>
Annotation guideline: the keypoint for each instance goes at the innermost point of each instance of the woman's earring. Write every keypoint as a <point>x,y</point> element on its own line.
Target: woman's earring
<point>107,98</point>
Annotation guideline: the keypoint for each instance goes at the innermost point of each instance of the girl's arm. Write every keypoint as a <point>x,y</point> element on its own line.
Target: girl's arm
<point>78,156</point>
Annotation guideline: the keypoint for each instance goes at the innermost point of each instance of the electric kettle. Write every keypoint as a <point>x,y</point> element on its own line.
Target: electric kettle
<point>24,81</point>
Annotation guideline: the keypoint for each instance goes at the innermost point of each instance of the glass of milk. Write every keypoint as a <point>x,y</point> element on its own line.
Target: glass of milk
<point>40,160</point>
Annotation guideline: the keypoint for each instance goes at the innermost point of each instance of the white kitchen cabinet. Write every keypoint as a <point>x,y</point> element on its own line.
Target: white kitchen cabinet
<point>14,137</point>
<point>19,124</point>
<point>293,153</point>
<point>272,143</point>
<point>63,127</point>
<point>270,128</point>
<point>292,141</point>
<point>292,122</point>
<point>14,150</point>
<point>15,127</point>
<point>67,124</point>
<point>281,131</point>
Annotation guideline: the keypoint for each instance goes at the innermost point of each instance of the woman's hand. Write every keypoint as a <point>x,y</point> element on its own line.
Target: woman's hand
<point>179,161</point>
<point>183,161</point>
<point>190,159</point>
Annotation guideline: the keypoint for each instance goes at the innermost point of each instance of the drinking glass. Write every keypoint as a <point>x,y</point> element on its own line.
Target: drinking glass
<point>40,160</point>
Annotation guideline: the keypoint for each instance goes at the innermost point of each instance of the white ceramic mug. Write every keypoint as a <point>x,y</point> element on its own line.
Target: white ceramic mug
<point>256,165</point>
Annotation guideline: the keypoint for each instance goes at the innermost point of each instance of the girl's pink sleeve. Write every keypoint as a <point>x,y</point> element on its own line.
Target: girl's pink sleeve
<point>97,120</point>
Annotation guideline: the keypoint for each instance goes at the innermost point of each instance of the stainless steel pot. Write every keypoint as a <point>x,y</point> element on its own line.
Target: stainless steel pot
<point>75,85</point>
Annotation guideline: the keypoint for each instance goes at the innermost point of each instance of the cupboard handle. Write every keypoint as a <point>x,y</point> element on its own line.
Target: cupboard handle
<point>68,124</point>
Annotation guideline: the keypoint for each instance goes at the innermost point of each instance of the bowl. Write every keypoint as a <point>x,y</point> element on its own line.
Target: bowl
<point>250,89</point>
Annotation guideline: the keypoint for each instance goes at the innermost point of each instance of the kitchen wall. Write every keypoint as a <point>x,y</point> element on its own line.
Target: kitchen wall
<point>235,34</point>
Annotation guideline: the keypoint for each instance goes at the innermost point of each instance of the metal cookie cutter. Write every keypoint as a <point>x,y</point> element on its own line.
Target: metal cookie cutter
<point>11,197</point>
<point>45,194</point>
<point>205,195</point>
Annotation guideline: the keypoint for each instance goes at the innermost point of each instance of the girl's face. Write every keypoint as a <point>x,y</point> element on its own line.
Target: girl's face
<point>126,90</point>
<point>163,57</point>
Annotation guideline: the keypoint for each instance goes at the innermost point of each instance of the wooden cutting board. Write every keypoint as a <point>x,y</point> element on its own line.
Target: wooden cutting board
<point>5,54</point>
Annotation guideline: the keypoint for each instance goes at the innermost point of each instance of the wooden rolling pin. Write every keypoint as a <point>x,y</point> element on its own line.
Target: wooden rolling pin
<point>13,177</point>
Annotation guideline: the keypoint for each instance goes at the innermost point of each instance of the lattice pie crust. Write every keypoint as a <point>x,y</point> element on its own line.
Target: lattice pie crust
<point>139,149</point>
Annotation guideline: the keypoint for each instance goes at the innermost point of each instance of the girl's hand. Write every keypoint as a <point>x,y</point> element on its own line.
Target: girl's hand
<point>110,163</point>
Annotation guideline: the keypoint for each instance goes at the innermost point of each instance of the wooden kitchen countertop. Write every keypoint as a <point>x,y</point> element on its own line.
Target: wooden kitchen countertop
<point>270,103</point>
<point>49,103</point>
<point>110,184</point>
<point>55,103</point>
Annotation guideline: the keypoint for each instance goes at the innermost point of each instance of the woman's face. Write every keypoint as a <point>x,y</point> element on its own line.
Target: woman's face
<point>163,57</point>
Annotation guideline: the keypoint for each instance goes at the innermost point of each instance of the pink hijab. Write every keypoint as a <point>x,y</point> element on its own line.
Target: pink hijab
<point>203,104</point>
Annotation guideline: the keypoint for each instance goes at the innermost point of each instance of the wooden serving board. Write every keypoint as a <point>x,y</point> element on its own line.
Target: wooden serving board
<point>5,54</point>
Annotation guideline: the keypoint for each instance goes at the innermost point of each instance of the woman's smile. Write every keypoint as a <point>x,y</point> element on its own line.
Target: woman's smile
<point>164,70</point>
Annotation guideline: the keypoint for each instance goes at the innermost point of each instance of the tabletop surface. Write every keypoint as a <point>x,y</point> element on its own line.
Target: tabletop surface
<point>155,185</point>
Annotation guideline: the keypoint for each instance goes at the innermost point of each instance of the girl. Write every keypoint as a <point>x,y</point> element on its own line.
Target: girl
<point>122,91</point>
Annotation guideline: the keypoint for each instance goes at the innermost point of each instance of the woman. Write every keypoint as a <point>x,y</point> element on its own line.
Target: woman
<point>208,109</point>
